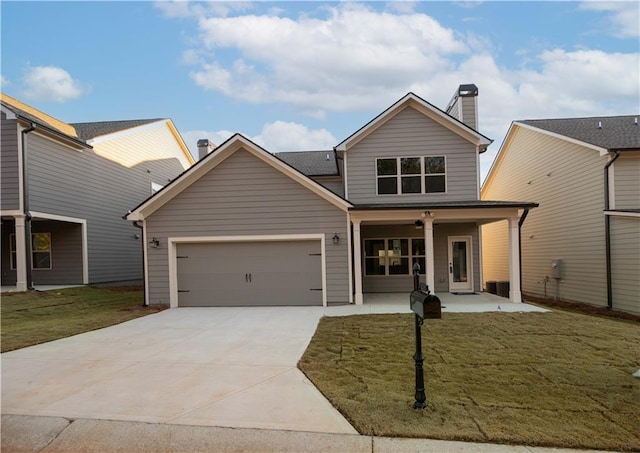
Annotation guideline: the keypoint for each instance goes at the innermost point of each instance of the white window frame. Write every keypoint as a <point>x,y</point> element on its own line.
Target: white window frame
<point>387,241</point>
<point>423,175</point>
<point>13,252</point>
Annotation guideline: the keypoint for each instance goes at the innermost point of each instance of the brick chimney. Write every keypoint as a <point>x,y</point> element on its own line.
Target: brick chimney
<point>464,105</point>
<point>204,148</point>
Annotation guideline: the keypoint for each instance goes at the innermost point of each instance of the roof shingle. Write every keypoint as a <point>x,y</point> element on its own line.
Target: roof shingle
<point>311,163</point>
<point>88,131</point>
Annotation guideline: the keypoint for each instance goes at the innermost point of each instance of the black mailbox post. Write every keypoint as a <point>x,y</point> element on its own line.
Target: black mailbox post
<point>425,306</point>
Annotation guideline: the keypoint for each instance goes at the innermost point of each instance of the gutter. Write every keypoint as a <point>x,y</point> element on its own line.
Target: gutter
<point>607,229</point>
<point>25,207</point>
<point>144,258</point>
<point>523,217</point>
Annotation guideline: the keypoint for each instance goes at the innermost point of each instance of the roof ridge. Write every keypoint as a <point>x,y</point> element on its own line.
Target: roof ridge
<point>63,127</point>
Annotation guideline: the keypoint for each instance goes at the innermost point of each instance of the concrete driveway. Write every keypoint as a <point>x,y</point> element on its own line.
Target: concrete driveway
<point>230,367</point>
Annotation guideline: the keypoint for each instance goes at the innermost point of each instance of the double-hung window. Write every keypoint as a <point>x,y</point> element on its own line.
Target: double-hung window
<point>40,248</point>
<point>393,256</point>
<point>411,175</point>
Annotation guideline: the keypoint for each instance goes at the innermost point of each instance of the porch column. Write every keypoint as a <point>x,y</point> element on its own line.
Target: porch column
<point>357,261</point>
<point>514,260</point>
<point>21,254</point>
<point>430,270</point>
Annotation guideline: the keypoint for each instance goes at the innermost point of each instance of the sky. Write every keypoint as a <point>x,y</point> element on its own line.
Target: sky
<point>296,76</point>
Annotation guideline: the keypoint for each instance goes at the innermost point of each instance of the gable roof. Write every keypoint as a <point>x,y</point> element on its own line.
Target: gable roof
<point>87,131</point>
<point>428,109</point>
<point>311,163</point>
<point>609,132</point>
<point>212,160</point>
<point>46,123</point>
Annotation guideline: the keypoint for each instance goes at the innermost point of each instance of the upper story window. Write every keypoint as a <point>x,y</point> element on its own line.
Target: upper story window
<point>411,175</point>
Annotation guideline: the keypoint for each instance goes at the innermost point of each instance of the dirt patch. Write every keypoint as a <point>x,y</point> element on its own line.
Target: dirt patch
<point>582,308</point>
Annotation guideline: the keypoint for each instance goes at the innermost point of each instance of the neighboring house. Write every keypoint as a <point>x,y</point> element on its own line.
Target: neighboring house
<point>246,227</point>
<point>66,186</point>
<point>583,242</point>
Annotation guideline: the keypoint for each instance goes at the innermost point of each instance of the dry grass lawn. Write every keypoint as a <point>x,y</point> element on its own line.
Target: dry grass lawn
<point>555,379</point>
<point>35,317</point>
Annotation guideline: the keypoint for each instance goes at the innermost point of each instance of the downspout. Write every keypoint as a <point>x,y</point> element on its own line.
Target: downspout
<point>27,213</point>
<point>607,229</point>
<point>520,223</point>
<point>144,280</point>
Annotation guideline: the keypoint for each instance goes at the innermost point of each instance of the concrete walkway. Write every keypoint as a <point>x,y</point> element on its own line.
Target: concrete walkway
<point>173,381</point>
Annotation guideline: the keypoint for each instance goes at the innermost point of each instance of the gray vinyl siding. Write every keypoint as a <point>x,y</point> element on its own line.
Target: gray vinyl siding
<point>625,263</point>
<point>627,181</point>
<point>81,184</point>
<point>567,181</point>
<point>441,233</point>
<point>221,203</point>
<point>333,183</point>
<point>412,134</point>
<point>66,253</point>
<point>9,176</point>
<point>7,228</point>
<point>469,111</point>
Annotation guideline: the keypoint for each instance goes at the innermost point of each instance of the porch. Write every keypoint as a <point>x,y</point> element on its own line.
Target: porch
<point>479,302</point>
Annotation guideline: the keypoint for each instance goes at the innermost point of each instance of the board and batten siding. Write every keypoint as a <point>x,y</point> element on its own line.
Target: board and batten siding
<point>627,181</point>
<point>412,134</point>
<point>9,169</point>
<point>85,185</point>
<point>244,196</point>
<point>567,181</point>
<point>625,263</point>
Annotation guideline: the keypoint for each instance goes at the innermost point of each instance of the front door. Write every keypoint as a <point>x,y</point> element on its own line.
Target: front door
<point>460,264</point>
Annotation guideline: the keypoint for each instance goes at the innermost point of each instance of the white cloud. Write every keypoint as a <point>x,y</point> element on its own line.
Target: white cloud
<point>4,81</point>
<point>275,137</point>
<point>50,83</point>
<point>624,19</point>
<point>349,59</point>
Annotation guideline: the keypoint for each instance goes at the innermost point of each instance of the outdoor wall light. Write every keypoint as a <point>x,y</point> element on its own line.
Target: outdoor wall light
<point>336,239</point>
<point>419,224</point>
<point>154,243</point>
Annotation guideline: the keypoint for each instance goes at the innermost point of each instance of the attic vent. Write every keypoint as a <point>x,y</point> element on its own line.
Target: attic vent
<point>328,157</point>
<point>599,124</point>
<point>635,121</point>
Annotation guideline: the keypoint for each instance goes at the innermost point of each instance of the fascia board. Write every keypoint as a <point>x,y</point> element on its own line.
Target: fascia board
<point>601,150</point>
<point>237,142</point>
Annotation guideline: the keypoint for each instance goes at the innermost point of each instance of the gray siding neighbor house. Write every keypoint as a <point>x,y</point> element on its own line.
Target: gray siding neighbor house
<point>247,227</point>
<point>583,243</point>
<point>64,188</point>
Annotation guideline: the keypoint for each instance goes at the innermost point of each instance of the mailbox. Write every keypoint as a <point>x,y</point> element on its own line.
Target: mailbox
<point>425,305</point>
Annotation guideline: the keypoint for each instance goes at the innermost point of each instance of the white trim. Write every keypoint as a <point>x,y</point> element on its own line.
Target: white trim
<point>344,176</point>
<point>350,258</point>
<point>20,170</point>
<point>357,258</point>
<point>145,262</point>
<point>85,240</point>
<point>21,254</point>
<point>216,157</point>
<point>429,254</point>
<point>11,213</point>
<point>514,260</point>
<point>480,256</point>
<point>172,243</point>
<point>601,150</point>
<point>612,184</point>
<point>10,114</point>
<point>622,214</point>
<point>469,258</point>
<point>410,99</point>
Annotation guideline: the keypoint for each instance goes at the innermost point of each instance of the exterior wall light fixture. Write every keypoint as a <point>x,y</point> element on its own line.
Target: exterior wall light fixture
<point>154,243</point>
<point>336,239</point>
<point>419,224</point>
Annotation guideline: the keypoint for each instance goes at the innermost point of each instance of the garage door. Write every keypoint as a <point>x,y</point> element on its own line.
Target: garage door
<point>249,273</point>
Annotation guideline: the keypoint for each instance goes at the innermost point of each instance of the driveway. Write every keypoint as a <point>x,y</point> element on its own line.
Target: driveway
<point>231,367</point>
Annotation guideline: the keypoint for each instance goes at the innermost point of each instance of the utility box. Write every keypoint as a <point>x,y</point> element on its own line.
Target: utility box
<point>556,268</point>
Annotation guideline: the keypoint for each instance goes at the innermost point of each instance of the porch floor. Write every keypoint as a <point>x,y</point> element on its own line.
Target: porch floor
<point>451,303</point>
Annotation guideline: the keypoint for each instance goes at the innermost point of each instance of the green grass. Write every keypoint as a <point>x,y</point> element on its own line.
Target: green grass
<point>36,317</point>
<point>554,379</point>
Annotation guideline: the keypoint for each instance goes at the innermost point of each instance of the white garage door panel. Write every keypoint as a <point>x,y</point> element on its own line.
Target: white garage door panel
<point>249,273</point>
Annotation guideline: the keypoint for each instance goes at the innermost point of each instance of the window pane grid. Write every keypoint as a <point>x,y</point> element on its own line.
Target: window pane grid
<point>384,257</point>
<point>411,175</point>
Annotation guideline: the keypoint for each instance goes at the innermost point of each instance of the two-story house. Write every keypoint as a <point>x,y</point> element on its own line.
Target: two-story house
<point>64,188</point>
<point>583,243</point>
<point>247,227</point>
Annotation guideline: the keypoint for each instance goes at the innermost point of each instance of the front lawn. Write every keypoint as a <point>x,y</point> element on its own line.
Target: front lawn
<point>39,316</point>
<point>553,379</point>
